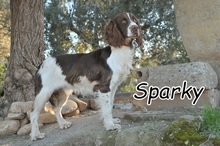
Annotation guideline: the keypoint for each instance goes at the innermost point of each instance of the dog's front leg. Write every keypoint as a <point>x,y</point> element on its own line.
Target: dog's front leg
<point>105,104</point>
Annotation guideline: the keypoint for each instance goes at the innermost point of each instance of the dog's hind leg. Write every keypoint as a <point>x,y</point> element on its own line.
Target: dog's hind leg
<point>62,96</point>
<point>39,103</point>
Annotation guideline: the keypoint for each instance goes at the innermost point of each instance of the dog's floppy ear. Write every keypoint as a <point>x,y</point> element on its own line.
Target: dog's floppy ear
<point>139,38</point>
<point>113,35</point>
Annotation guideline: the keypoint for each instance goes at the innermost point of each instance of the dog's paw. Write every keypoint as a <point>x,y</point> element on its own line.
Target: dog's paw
<point>38,136</point>
<point>113,127</point>
<point>65,125</point>
<point>116,121</point>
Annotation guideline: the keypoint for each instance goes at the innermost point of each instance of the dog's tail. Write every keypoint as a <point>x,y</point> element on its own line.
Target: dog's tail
<point>38,82</point>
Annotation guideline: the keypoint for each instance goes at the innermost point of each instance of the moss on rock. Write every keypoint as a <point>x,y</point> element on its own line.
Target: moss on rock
<point>182,132</point>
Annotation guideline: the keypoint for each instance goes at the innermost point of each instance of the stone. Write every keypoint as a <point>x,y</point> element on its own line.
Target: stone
<point>188,118</point>
<point>195,73</point>
<point>26,129</point>
<point>123,106</point>
<point>98,142</point>
<point>81,104</point>
<point>123,97</point>
<point>93,104</point>
<point>198,24</point>
<point>48,108</point>
<point>208,97</point>
<point>47,118</point>
<point>69,107</point>
<point>16,116</point>
<point>28,115</point>
<point>87,101</point>
<point>21,107</point>
<point>9,127</point>
<point>24,121</point>
<point>73,113</point>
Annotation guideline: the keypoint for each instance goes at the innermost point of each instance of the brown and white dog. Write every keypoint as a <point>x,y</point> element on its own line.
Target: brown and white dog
<point>98,73</point>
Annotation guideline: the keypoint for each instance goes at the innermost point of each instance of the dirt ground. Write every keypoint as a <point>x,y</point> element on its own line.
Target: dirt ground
<point>139,128</point>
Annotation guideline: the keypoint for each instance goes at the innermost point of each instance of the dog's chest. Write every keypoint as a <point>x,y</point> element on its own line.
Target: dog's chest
<point>120,62</point>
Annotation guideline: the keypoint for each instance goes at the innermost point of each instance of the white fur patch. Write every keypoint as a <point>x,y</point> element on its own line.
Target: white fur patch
<point>132,23</point>
<point>120,61</point>
<point>84,87</point>
<point>51,75</point>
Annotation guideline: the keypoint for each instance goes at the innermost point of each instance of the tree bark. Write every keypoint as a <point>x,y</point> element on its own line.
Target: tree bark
<point>27,49</point>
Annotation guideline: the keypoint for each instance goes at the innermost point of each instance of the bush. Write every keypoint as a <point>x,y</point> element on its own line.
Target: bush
<point>211,120</point>
<point>2,76</point>
<point>2,73</point>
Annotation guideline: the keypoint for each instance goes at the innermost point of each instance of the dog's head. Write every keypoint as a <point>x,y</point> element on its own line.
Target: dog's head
<point>123,28</point>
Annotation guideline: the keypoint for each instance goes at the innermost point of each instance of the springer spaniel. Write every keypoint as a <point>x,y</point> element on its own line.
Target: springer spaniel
<point>98,73</point>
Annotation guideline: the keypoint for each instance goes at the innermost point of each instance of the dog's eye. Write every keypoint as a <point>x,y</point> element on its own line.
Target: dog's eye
<point>124,22</point>
<point>135,20</point>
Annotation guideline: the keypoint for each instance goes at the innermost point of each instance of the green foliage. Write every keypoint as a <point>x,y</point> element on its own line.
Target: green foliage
<point>4,30</point>
<point>195,132</point>
<point>71,26</point>
<point>56,29</point>
<point>130,82</point>
<point>2,77</point>
<point>182,132</point>
<point>2,73</point>
<point>211,120</point>
<point>74,26</point>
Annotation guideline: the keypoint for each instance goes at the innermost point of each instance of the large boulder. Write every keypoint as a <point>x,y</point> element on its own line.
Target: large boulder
<point>195,73</point>
<point>21,107</point>
<point>198,23</point>
<point>9,127</point>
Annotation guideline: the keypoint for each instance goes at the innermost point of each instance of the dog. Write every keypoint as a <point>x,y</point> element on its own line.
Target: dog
<point>98,73</point>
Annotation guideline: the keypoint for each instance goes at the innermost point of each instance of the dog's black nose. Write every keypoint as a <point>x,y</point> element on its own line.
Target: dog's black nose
<point>134,29</point>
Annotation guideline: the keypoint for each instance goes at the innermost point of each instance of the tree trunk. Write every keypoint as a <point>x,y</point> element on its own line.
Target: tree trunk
<point>27,49</point>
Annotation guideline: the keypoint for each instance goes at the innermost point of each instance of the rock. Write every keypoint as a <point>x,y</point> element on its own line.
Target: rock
<point>28,115</point>
<point>47,118</point>
<point>87,101</point>
<point>73,113</point>
<point>24,121</point>
<point>81,104</point>
<point>208,97</point>
<point>1,119</point>
<point>26,129</point>
<point>98,142</point>
<point>69,107</point>
<point>9,127</point>
<point>49,108</point>
<point>93,104</point>
<point>195,73</point>
<point>16,116</point>
<point>200,32</point>
<point>123,97</point>
<point>188,118</point>
<point>123,106</point>
<point>71,97</point>
<point>21,107</point>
